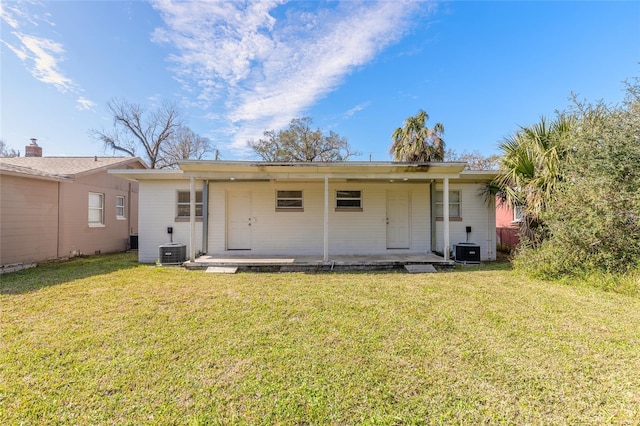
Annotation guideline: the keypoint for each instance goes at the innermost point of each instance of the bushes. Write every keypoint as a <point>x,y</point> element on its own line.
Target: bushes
<point>592,218</point>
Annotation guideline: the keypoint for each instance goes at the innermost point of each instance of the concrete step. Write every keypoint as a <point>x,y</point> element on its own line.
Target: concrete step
<point>222,269</point>
<point>420,269</point>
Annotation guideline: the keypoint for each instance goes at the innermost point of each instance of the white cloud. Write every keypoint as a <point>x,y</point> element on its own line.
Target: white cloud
<point>7,13</point>
<point>267,63</point>
<point>43,56</point>
<point>83,103</point>
<point>351,112</point>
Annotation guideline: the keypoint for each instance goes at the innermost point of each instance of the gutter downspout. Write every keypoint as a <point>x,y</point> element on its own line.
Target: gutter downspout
<point>205,217</point>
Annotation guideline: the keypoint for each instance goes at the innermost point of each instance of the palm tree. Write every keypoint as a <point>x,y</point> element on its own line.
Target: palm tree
<point>415,142</point>
<point>530,168</point>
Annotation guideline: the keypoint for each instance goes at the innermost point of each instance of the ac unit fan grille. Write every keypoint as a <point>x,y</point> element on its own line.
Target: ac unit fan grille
<point>172,254</point>
<point>467,253</point>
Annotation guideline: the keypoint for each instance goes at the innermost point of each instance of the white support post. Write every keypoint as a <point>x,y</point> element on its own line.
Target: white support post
<point>192,219</point>
<point>325,257</point>
<point>445,216</point>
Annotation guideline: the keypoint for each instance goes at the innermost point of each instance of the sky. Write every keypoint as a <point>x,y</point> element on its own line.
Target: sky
<point>357,68</point>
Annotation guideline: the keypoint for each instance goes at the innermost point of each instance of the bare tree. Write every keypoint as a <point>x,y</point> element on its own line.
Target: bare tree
<point>299,143</point>
<point>5,151</point>
<point>183,144</point>
<point>134,126</point>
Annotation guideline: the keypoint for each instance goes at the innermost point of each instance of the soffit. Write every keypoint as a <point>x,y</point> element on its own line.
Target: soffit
<point>310,172</point>
<point>346,170</point>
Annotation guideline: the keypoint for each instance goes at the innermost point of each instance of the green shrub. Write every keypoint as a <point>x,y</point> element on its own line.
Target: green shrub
<point>592,219</point>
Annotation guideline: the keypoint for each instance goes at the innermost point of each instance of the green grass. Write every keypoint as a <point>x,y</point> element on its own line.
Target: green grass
<point>104,340</point>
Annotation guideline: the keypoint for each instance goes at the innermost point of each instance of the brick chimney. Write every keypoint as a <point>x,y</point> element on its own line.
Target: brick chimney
<point>33,150</point>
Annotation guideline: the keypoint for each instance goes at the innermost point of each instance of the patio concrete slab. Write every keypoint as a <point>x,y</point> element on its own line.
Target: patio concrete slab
<point>293,263</point>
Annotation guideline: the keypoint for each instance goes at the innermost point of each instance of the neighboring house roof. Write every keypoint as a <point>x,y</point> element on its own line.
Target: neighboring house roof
<point>13,169</point>
<point>61,168</point>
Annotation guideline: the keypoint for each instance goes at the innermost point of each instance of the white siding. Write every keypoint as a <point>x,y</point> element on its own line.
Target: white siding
<point>157,212</point>
<point>301,232</point>
<point>476,213</point>
<point>271,232</point>
<point>294,232</point>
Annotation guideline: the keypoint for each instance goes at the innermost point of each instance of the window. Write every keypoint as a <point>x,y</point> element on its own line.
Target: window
<point>289,201</point>
<point>96,209</point>
<point>454,204</point>
<point>349,200</point>
<point>184,205</point>
<point>518,213</point>
<point>120,203</point>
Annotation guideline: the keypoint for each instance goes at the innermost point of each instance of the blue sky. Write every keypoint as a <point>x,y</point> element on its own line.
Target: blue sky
<point>357,68</point>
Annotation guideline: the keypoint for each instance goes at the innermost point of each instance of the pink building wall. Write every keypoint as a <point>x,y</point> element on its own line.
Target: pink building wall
<point>44,218</point>
<point>29,225</point>
<point>76,236</point>
<point>506,228</point>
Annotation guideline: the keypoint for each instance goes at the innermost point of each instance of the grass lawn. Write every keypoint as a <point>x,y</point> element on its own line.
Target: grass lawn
<point>104,340</point>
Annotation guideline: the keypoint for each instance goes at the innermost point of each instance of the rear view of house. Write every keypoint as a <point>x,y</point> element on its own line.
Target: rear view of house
<point>227,208</point>
<point>59,207</point>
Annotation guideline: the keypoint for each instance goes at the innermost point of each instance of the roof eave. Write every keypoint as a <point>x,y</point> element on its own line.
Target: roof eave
<point>244,170</point>
<point>110,166</point>
<point>41,176</point>
<point>146,174</point>
<point>193,167</point>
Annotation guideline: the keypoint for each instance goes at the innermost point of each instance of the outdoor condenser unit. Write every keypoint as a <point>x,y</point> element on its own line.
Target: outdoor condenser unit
<point>172,254</point>
<point>467,253</point>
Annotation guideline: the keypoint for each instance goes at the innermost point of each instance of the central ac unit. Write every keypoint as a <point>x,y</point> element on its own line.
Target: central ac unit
<point>467,253</point>
<point>172,254</point>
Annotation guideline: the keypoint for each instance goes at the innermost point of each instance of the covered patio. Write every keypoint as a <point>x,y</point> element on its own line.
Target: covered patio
<point>218,173</point>
<point>286,216</point>
<point>316,263</point>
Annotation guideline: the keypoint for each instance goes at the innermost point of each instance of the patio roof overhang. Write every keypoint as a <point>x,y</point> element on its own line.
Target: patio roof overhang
<point>348,170</point>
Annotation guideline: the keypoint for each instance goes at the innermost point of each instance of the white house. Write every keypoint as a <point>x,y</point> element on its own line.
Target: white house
<point>231,208</point>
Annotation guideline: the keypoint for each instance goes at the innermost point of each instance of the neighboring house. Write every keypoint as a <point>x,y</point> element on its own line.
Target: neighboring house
<point>508,220</point>
<point>58,207</point>
<point>324,209</point>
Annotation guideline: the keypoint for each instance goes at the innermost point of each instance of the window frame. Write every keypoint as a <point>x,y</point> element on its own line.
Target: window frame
<point>439,205</point>
<point>347,208</point>
<point>284,208</point>
<point>187,205</point>
<point>123,207</point>
<point>518,214</point>
<point>90,208</point>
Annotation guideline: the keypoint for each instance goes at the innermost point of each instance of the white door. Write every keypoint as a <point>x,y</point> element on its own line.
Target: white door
<point>239,220</point>
<point>398,225</point>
